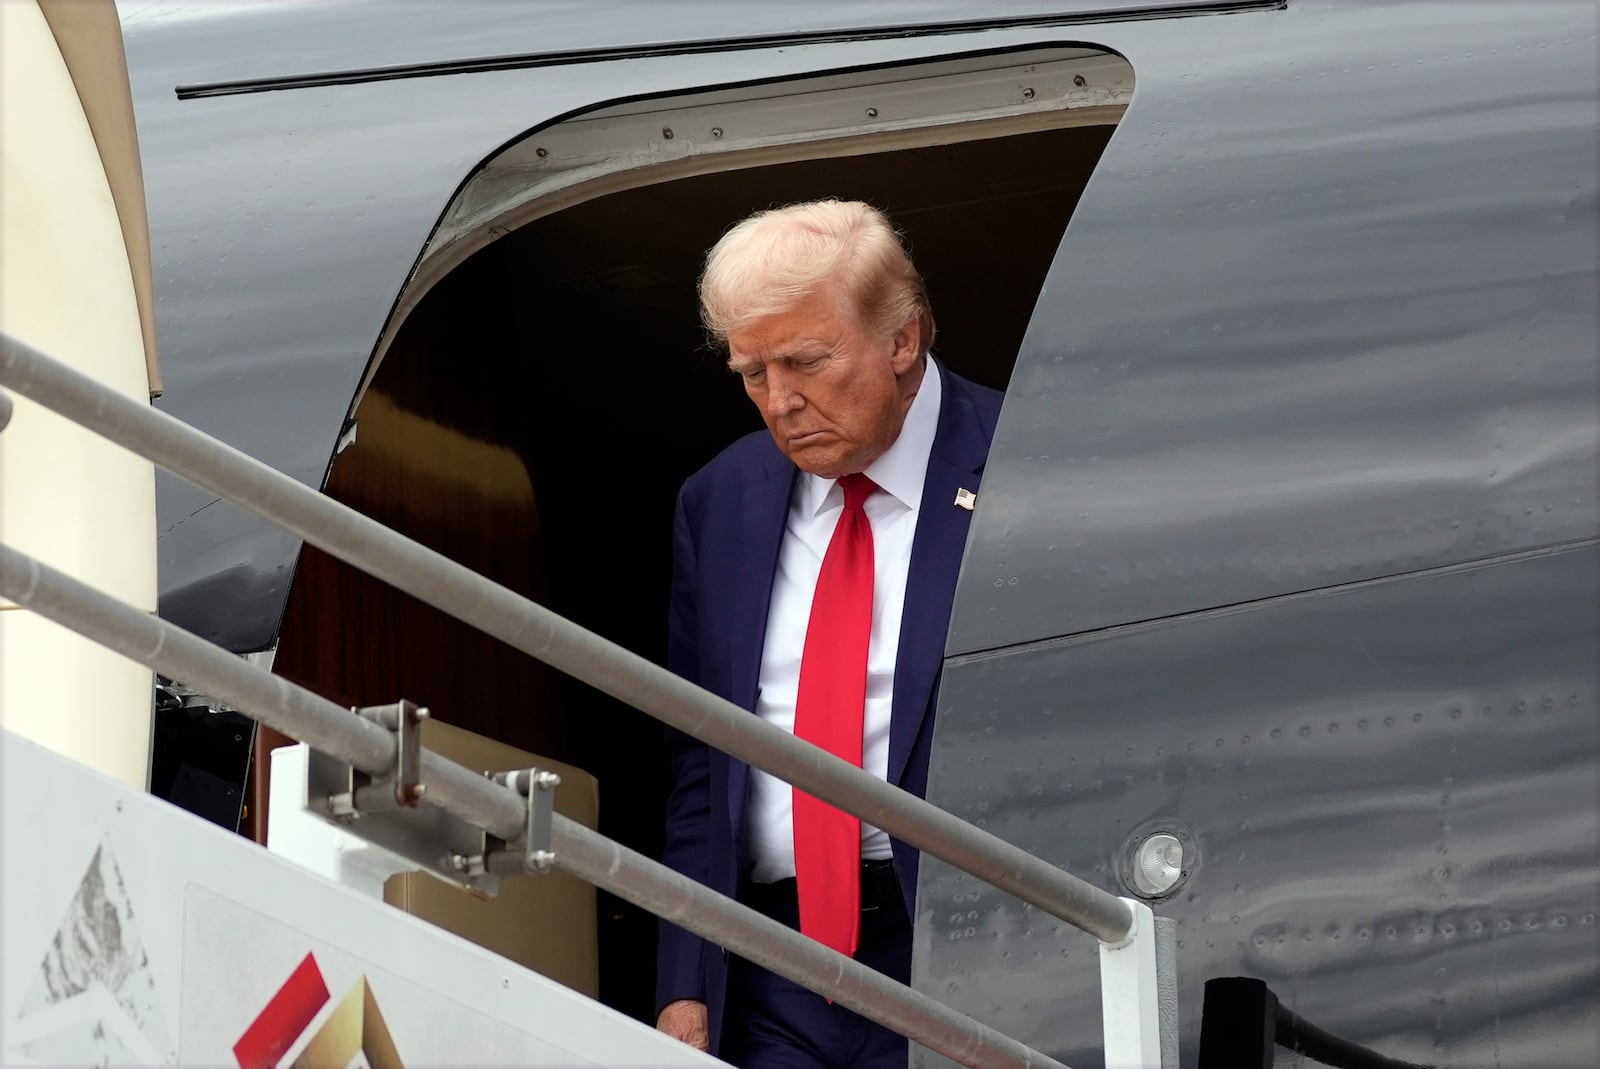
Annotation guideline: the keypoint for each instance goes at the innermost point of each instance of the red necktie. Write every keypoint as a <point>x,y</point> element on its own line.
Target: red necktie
<point>828,713</point>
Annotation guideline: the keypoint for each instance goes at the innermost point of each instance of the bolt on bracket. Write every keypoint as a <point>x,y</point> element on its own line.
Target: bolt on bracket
<point>533,850</point>
<point>402,787</point>
<point>383,809</point>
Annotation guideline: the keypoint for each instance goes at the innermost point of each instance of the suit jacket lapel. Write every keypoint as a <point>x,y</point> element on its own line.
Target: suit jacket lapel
<point>959,450</point>
<point>766,510</point>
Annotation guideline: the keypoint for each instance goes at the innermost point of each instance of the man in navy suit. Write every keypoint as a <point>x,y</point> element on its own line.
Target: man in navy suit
<point>814,568</point>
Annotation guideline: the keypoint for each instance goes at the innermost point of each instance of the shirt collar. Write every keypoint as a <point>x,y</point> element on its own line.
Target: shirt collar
<point>903,468</point>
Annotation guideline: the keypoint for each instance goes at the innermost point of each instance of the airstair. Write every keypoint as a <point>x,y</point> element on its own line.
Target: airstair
<point>137,933</point>
<point>172,916</point>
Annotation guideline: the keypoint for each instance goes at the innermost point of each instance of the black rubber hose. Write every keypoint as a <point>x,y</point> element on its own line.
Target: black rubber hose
<point>1295,1033</point>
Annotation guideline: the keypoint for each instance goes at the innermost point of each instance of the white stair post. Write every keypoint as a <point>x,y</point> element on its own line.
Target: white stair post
<point>1137,995</point>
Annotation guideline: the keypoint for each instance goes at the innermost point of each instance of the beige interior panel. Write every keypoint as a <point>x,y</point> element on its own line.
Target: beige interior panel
<point>545,922</point>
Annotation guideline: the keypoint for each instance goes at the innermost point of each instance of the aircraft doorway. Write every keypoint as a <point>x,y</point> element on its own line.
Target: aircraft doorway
<point>537,409</point>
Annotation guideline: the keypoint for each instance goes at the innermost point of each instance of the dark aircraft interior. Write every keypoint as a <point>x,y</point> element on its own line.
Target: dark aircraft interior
<point>537,411</point>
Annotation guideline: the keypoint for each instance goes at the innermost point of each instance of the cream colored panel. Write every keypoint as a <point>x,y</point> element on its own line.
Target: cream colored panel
<point>66,496</point>
<point>90,39</point>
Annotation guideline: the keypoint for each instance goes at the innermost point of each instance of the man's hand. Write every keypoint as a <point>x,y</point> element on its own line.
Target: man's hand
<point>685,1021</point>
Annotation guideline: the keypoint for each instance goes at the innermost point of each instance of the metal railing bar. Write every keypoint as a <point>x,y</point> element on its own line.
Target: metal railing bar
<point>301,714</point>
<point>497,611</point>
<point>688,904</point>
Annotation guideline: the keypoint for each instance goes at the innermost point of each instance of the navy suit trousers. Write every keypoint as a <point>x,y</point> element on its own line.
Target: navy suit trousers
<point>771,1023</point>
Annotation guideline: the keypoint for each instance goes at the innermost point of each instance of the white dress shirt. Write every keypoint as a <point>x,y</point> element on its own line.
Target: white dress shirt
<point>814,511</point>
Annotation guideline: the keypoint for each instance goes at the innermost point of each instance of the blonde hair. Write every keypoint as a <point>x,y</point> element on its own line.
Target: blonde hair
<point>772,261</point>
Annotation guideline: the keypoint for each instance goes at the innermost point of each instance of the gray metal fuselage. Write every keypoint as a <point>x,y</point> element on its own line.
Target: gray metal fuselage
<point>1287,542</point>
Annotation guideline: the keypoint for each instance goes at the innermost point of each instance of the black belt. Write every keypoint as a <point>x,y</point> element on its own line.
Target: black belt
<point>880,887</point>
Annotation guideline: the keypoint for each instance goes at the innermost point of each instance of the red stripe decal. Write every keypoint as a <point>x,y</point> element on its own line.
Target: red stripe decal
<point>284,1018</point>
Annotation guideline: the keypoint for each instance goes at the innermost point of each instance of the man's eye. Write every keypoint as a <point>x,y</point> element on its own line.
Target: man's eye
<point>755,375</point>
<point>808,364</point>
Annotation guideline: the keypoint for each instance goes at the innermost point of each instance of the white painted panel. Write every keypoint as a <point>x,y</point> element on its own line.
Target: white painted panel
<point>136,933</point>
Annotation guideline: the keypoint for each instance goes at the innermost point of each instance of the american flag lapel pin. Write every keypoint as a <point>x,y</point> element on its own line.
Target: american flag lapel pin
<point>966,499</point>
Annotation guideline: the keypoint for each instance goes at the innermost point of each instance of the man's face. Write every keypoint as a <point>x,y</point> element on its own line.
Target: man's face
<point>833,395</point>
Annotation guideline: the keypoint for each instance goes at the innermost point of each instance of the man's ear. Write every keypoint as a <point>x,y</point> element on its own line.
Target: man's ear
<point>907,346</point>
